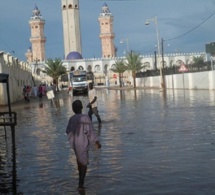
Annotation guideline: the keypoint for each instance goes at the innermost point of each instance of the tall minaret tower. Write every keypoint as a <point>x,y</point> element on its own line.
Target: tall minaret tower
<point>71,26</point>
<point>37,37</point>
<point>107,35</point>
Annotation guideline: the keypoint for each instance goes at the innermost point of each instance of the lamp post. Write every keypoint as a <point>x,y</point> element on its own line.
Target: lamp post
<point>127,44</point>
<point>155,20</point>
<point>212,58</point>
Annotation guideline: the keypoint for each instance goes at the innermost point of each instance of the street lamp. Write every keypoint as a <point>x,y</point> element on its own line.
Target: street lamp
<point>125,40</point>
<point>155,20</point>
<point>157,32</point>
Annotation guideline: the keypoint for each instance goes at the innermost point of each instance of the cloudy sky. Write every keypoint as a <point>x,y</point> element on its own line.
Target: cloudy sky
<point>185,25</point>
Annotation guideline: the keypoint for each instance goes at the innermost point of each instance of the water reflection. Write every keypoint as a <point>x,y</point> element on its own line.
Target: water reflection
<point>152,143</point>
<point>8,173</point>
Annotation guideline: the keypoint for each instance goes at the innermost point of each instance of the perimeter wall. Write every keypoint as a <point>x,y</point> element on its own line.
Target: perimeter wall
<point>200,80</point>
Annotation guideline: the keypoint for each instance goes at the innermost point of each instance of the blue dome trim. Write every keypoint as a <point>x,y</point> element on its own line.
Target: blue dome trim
<point>74,56</point>
<point>35,7</point>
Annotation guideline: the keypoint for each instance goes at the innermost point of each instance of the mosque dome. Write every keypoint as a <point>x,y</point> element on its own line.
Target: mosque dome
<point>105,5</point>
<point>36,13</point>
<point>105,9</point>
<point>74,56</point>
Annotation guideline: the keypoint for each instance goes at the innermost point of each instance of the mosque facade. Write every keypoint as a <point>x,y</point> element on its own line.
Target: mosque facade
<point>101,67</point>
<point>22,73</point>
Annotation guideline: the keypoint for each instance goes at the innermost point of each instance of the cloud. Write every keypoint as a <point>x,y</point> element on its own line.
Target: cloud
<point>175,18</point>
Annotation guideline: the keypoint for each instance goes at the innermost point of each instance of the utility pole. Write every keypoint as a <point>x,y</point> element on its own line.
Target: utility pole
<point>163,83</point>
<point>155,65</point>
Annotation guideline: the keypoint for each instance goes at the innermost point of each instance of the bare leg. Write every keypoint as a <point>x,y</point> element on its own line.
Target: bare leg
<point>82,169</point>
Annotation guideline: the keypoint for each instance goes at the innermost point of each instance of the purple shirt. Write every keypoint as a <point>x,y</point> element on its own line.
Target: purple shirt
<point>80,134</point>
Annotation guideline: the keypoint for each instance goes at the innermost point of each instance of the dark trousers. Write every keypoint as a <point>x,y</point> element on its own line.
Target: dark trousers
<point>96,112</point>
<point>26,98</point>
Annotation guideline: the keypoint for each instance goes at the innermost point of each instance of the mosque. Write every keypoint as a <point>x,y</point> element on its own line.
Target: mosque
<point>101,67</point>
<point>30,72</point>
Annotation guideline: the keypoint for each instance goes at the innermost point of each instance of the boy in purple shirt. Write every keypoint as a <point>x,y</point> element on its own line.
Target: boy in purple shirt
<point>80,134</point>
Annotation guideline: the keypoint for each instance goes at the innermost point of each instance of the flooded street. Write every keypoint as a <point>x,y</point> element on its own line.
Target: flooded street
<point>151,145</point>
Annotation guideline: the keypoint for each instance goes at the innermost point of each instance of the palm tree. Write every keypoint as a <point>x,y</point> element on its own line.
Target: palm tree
<point>134,64</point>
<point>198,61</point>
<point>54,69</point>
<point>119,67</point>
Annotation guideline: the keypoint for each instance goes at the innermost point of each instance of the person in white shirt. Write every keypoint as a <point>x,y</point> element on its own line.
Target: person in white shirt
<point>93,106</point>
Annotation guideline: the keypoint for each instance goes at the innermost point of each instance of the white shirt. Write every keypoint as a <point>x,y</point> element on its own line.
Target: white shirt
<point>91,95</point>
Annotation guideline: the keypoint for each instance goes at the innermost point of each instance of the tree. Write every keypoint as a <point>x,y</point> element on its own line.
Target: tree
<point>198,61</point>
<point>119,67</point>
<point>134,64</point>
<point>54,69</point>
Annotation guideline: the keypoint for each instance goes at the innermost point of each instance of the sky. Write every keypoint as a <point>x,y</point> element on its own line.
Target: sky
<point>184,25</point>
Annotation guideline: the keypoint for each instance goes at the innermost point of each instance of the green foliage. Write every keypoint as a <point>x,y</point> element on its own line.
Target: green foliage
<point>119,67</point>
<point>54,69</point>
<point>199,60</point>
<point>134,64</point>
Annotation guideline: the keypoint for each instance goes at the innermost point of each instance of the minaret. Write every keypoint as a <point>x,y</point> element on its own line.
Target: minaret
<point>37,37</point>
<point>71,26</point>
<point>29,55</point>
<point>107,35</point>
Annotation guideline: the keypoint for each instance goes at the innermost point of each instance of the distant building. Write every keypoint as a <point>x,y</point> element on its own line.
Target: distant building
<point>36,53</point>
<point>100,67</point>
<point>106,34</point>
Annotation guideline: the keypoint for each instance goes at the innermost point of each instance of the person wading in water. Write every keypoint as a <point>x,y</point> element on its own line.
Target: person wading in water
<point>80,135</point>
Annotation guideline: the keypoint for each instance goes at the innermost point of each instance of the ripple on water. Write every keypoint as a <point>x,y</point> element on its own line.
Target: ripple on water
<point>149,146</point>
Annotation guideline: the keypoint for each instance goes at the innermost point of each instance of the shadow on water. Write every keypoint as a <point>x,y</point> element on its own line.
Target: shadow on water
<point>82,192</point>
<point>122,94</point>
<point>8,172</point>
<point>164,97</point>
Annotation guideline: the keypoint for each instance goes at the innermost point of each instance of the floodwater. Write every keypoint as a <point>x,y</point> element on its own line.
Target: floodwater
<point>151,145</point>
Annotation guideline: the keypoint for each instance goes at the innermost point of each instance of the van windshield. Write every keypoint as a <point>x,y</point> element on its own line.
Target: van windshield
<point>79,79</point>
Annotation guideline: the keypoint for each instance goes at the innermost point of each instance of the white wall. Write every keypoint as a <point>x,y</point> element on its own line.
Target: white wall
<point>20,74</point>
<point>200,80</point>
